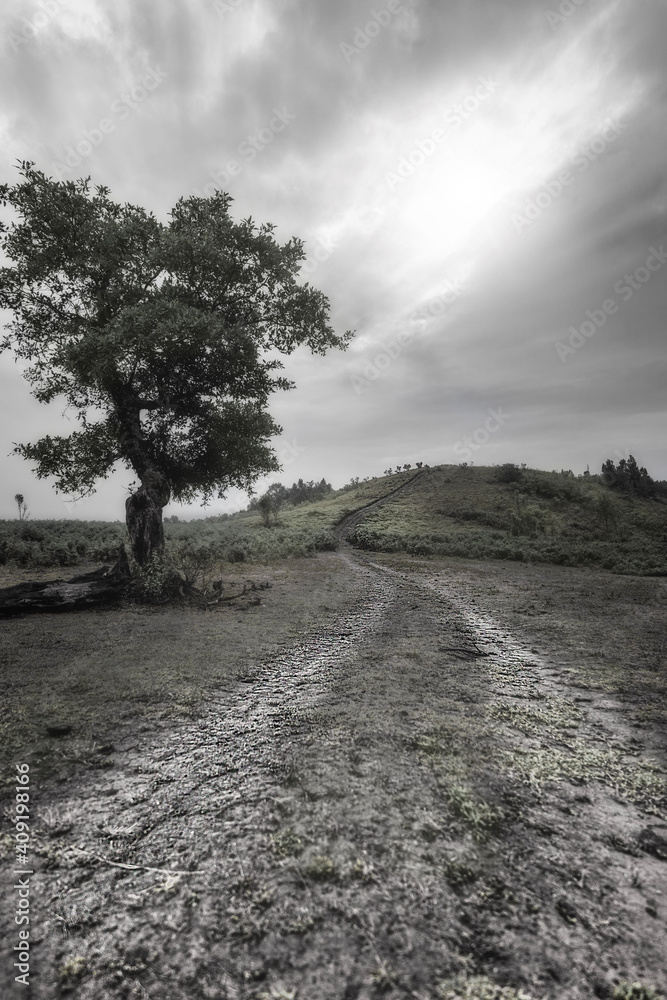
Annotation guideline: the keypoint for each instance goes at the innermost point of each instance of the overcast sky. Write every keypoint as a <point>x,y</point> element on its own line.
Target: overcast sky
<point>481,187</point>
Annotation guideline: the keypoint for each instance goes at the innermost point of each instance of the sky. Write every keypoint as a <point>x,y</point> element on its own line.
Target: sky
<point>481,188</point>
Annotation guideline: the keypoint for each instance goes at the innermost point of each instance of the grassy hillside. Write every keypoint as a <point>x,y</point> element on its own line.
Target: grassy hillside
<point>545,517</point>
<point>449,511</point>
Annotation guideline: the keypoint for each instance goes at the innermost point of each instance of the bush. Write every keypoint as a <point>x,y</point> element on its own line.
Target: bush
<point>156,583</point>
<point>508,473</point>
<point>485,517</point>
<point>554,486</point>
<point>31,533</point>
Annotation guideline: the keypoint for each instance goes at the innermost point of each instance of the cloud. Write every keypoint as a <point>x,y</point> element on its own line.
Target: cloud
<point>392,246</point>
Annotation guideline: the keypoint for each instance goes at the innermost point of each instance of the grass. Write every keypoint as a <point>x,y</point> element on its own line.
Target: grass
<point>556,714</point>
<point>286,844</point>
<point>477,988</point>
<point>321,868</point>
<point>480,819</point>
<point>459,874</point>
<point>634,991</point>
<point>635,780</point>
<point>72,970</point>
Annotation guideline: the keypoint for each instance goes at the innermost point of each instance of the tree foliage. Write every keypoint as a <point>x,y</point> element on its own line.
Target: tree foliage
<point>628,477</point>
<point>164,339</point>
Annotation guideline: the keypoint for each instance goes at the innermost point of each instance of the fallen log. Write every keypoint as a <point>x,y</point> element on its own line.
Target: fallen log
<point>100,588</point>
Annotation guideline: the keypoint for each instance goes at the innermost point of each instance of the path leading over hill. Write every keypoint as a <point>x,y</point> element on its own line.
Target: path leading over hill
<point>350,521</point>
<point>420,789</point>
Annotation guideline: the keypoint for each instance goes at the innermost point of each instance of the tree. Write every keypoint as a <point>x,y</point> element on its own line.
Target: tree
<point>628,477</point>
<point>605,510</point>
<point>270,503</point>
<point>266,506</point>
<point>161,337</point>
<point>22,506</point>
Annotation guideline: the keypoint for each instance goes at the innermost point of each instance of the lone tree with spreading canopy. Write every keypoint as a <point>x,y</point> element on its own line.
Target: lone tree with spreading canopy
<point>161,337</point>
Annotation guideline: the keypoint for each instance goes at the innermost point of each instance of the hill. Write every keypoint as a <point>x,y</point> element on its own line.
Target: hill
<point>545,517</point>
<point>448,510</point>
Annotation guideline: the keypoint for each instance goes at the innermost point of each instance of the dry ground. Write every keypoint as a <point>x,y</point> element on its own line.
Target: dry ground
<point>391,777</point>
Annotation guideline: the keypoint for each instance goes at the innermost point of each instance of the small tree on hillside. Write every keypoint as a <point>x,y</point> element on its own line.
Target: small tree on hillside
<point>266,508</point>
<point>162,338</point>
<point>605,510</point>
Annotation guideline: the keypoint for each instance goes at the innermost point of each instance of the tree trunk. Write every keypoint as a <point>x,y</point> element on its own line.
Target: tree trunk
<point>143,509</point>
<point>143,516</point>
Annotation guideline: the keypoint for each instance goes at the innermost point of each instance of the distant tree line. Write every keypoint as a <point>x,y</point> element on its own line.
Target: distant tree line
<point>628,477</point>
<point>278,496</point>
<point>299,492</point>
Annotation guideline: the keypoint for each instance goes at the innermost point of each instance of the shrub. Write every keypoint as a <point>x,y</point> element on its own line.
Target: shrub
<point>508,473</point>
<point>31,533</point>
<point>157,582</point>
<point>634,991</point>
<point>554,486</point>
<point>237,554</point>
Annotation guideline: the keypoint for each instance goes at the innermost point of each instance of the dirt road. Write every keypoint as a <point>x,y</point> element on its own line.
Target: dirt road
<point>415,792</point>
